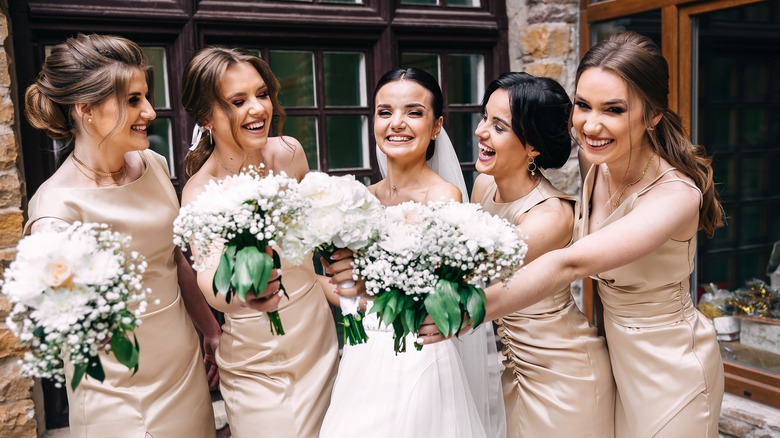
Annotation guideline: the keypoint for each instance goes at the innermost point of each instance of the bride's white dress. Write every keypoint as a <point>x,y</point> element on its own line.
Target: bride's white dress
<point>413,394</point>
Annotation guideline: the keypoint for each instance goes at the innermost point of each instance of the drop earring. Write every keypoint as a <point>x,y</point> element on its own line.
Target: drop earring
<point>531,166</point>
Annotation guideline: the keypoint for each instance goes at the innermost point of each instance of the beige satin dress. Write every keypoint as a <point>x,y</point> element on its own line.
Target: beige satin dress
<point>664,354</point>
<point>280,386</point>
<point>557,379</point>
<point>169,396</point>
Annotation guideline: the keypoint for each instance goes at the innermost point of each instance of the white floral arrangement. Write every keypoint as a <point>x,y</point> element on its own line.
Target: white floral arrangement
<point>75,291</point>
<point>342,213</point>
<point>236,218</point>
<point>434,260</point>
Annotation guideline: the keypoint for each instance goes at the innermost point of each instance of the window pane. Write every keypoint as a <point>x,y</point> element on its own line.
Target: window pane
<point>420,2</point>
<point>347,142</point>
<point>295,71</point>
<point>424,61</point>
<point>752,175</point>
<point>345,82</point>
<point>354,2</point>
<point>467,3</point>
<point>159,135</point>
<point>461,131</point>
<point>721,85</point>
<point>304,129</point>
<point>720,268</point>
<point>750,225</point>
<point>647,23</point>
<point>718,127</point>
<point>755,126</point>
<point>157,58</point>
<point>724,166</point>
<point>467,79</point>
<point>756,81</point>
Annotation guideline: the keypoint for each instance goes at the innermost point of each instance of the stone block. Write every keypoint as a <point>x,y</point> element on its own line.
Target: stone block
<point>5,77</point>
<point>542,41</point>
<point>547,13</point>
<point>734,427</point>
<point>14,386</point>
<point>745,416</point>
<point>10,225</point>
<point>8,151</point>
<point>6,106</point>
<point>10,189</point>
<point>17,420</point>
<point>5,307</point>
<point>555,71</point>
<point>10,346</point>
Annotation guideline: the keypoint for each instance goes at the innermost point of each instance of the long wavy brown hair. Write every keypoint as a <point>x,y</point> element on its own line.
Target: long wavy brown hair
<point>200,91</point>
<point>639,62</point>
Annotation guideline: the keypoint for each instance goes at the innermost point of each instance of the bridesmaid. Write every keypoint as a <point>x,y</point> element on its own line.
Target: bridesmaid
<point>92,94</point>
<point>557,379</point>
<point>280,384</point>
<point>647,193</point>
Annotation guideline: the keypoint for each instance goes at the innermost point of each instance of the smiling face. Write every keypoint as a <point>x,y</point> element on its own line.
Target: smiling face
<point>501,153</point>
<point>607,118</point>
<point>404,122</point>
<point>246,94</point>
<point>129,132</point>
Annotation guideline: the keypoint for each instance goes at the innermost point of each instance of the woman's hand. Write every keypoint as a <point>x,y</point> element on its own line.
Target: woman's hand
<point>429,333</point>
<point>341,275</point>
<point>210,346</point>
<point>269,299</point>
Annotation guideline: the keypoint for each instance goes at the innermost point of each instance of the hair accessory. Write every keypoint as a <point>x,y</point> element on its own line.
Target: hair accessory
<point>197,133</point>
<point>531,166</point>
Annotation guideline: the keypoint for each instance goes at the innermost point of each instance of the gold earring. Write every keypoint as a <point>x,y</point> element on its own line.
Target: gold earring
<point>531,166</point>
<point>650,128</point>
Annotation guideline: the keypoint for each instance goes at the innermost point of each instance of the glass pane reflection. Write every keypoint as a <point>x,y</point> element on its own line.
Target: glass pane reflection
<point>295,71</point>
<point>347,142</point>
<point>304,129</point>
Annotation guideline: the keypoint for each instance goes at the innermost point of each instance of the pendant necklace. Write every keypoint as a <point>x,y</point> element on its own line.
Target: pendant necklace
<point>614,204</point>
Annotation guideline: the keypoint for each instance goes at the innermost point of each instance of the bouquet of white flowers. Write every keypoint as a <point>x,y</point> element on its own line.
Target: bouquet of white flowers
<point>433,260</point>
<point>73,289</point>
<point>342,213</point>
<point>240,216</point>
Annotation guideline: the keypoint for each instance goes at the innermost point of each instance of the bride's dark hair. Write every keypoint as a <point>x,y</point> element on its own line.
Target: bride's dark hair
<point>426,81</point>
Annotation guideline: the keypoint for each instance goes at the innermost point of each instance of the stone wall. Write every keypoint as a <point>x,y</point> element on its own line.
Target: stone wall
<point>17,410</point>
<point>544,41</point>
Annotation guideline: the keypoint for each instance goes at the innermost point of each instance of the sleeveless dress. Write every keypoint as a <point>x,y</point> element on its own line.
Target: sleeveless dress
<point>557,378</point>
<point>664,354</point>
<point>169,396</point>
<point>415,394</point>
<point>280,386</point>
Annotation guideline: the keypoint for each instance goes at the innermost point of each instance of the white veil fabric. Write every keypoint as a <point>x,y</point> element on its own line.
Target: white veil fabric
<point>478,350</point>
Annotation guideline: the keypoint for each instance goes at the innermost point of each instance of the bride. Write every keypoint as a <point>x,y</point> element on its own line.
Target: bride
<point>434,391</point>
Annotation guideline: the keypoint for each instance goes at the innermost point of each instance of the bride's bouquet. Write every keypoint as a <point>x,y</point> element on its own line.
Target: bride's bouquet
<point>236,219</point>
<point>342,213</point>
<point>75,292</point>
<point>434,260</point>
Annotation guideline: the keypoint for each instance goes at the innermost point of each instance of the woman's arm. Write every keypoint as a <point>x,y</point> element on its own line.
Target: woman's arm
<point>662,214</point>
<point>201,316</point>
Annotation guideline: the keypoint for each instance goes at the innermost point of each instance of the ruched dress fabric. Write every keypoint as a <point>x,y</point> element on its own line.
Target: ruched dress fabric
<point>279,385</point>
<point>169,396</point>
<point>557,378</point>
<point>664,354</point>
<point>415,394</point>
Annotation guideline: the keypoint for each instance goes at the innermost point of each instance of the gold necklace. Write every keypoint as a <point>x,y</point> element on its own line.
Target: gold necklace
<point>260,168</point>
<point>115,176</point>
<point>616,202</point>
<point>99,172</point>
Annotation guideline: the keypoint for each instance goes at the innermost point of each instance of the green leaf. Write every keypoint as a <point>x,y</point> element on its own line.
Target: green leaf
<point>475,306</point>
<point>221,282</point>
<point>95,369</point>
<point>261,281</point>
<point>247,267</point>
<point>78,373</point>
<point>444,307</point>
<point>124,350</point>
